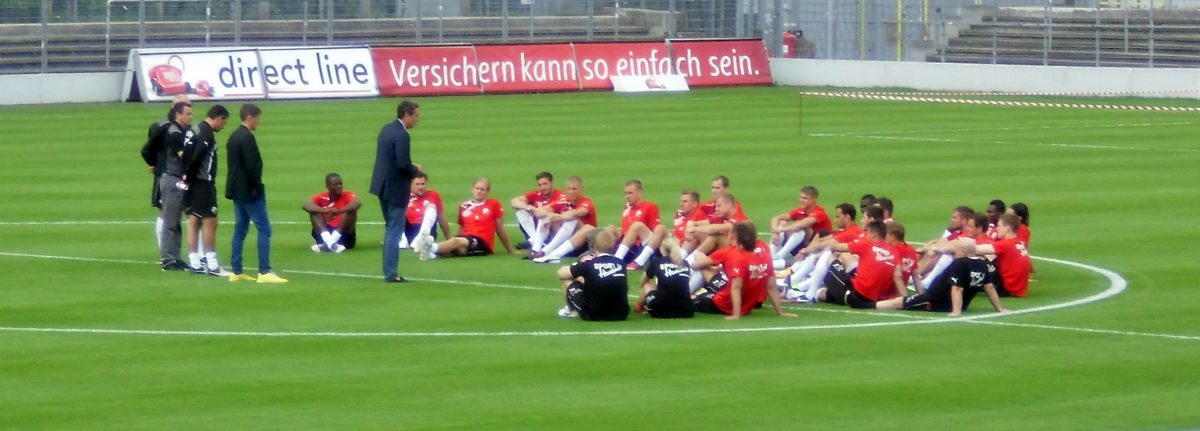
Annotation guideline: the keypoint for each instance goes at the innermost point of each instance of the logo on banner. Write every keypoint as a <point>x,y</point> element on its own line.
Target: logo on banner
<point>167,80</point>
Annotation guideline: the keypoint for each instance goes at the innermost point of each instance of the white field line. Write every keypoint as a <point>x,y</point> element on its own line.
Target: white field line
<point>1010,129</point>
<point>976,141</point>
<point>1117,284</point>
<point>907,97</point>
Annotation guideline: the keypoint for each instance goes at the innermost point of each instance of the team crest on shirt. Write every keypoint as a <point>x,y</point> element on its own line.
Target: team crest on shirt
<point>882,255</point>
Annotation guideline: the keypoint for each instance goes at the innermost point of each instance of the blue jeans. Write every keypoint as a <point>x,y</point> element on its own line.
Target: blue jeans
<point>244,212</point>
<point>394,217</point>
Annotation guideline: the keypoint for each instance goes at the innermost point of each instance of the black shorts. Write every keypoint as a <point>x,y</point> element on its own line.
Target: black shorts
<point>200,200</point>
<point>997,280</point>
<point>663,307</point>
<point>476,246</point>
<point>578,301</point>
<point>704,304</point>
<point>155,194</point>
<point>718,282</point>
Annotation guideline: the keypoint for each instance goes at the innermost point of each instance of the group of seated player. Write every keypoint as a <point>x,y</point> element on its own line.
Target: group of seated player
<point>711,259</point>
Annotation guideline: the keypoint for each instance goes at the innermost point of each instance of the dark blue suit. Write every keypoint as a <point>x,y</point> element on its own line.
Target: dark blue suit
<point>391,182</point>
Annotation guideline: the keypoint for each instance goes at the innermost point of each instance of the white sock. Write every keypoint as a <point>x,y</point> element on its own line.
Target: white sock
<point>943,262</point>
<point>194,259</point>
<point>695,281</point>
<point>211,259</point>
<point>817,279</point>
<point>538,238</point>
<point>690,259</point>
<point>525,219</point>
<point>793,240</point>
<point>433,251</point>
<point>564,233</point>
<point>562,250</point>
<point>622,250</point>
<point>158,231</point>
<point>404,240</point>
<point>429,220</point>
<point>644,256</point>
<point>803,267</point>
<point>779,264</point>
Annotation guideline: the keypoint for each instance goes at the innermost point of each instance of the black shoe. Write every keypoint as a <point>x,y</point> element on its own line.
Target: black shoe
<point>397,279</point>
<point>523,245</point>
<point>175,265</point>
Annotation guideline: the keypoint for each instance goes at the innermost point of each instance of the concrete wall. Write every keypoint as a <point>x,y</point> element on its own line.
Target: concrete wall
<point>61,88</point>
<point>1174,82</point>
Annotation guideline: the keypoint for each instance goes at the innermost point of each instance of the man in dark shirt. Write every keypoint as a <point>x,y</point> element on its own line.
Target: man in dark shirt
<point>171,185</point>
<point>665,292</point>
<point>391,181</point>
<point>243,185</point>
<point>953,291</point>
<point>596,287</point>
<point>154,154</point>
<point>201,202</point>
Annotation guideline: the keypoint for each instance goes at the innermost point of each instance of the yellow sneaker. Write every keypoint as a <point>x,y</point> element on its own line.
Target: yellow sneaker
<point>241,277</point>
<point>270,277</point>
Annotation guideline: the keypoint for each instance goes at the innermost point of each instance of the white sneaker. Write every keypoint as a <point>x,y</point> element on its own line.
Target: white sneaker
<point>418,244</point>
<point>546,259</point>
<point>316,248</point>
<point>793,294</point>
<point>338,248</point>
<point>567,312</point>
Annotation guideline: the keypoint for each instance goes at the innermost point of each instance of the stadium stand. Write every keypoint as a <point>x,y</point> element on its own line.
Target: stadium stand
<point>1018,36</point>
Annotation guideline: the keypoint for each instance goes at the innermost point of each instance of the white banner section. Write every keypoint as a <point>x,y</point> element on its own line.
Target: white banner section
<point>202,75</point>
<point>326,72</point>
<point>647,83</point>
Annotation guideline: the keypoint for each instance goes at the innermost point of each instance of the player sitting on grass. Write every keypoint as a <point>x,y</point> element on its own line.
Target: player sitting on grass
<point>791,230</point>
<point>746,264</point>
<point>953,291</point>
<point>527,206</point>
<point>333,214</point>
<point>808,273</point>
<point>665,292</point>
<point>714,234</point>
<point>562,219</point>
<point>425,212</point>
<point>906,257</point>
<point>480,220</point>
<point>932,263</point>
<point>720,187</point>
<point>637,212</point>
<point>873,279</point>
<point>596,287</point>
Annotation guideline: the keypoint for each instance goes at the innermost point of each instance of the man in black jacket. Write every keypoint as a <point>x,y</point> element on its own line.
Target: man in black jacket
<point>392,181</point>
<point>154,154</point>
<point>171,185</point>
<point>201,201</point>
<point>243,185</point>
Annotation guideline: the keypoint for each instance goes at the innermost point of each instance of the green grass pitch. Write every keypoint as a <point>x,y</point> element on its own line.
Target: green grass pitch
<point>475,343</point>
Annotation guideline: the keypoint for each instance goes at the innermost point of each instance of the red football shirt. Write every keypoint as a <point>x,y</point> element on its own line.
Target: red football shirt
<point>710,210</point>
<point>850,233</point>
<point>907,257</point>
<point>416,205</point>
<point>537,199</point>
<point>754,268</point>
<point>645,212</point>
<point>817,212</point>
<point>563,205</point>
<point>1023,235</point>
<point>478,219</point>
<point>876,264</point>
<point>1013,260</point>
<point>681,221</point>
<point>324,201</point>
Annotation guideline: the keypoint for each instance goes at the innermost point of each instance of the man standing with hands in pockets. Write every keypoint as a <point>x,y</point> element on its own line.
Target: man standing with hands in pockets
<point>392,182</point>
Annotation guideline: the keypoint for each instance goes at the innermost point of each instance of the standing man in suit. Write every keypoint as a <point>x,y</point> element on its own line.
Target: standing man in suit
<point>392,182</point>
<point>243,185</point>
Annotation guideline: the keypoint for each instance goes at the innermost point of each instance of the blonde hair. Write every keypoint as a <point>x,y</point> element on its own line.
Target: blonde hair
<point>604,242</point>
<point>670,249</point>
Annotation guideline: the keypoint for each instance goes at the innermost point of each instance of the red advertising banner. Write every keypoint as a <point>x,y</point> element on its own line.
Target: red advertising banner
<point>598,61</point>
<point>708,63</point>
<point>428,70</point>
<point>519,68</point>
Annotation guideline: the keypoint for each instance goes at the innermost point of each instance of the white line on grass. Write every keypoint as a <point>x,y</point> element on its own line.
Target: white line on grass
<point>975,141</point>
<point>1117,284</point>
<point>1009,129</point>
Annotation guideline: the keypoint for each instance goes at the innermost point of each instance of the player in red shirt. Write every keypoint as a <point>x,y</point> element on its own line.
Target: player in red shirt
<point>932,263</point>
<point>873,279</point>
<point>535,205</point>
<point>790,230</point>
<point>425,213</point>
<point>570,216</point>
<point>480,220</point>
<point>808,273</point>
<point>720,187</point>
<point>906,259</point>
<point>711,235</point>
<point>1012,258</point>
<point>334,214</point>
<point>994,210</point>
<point>1022,211</point>
<point>689,212</point>
<point>747,266</point>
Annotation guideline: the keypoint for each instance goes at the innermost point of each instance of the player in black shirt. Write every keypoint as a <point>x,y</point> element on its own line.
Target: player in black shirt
<point>154,154</point>
<point>668,295</point>
<point>953,291</point>
<point>596,287</point>
<point>200,202</point>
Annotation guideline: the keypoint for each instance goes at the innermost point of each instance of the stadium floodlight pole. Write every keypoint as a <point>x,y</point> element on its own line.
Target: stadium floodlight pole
<point>107,33</point>
<point>45,34</point>
<point>671,19</point>
<point>208,23</point>
<point>441,18</point>
<point>829,26</point>
<point>899,30</point>
<point>1097,34</point>
<point>617,20</point>
<point>1151,39</point>
<point>532,3</point>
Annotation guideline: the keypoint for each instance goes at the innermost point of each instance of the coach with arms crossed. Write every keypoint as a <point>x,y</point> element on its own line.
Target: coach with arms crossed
<point>392,181</point>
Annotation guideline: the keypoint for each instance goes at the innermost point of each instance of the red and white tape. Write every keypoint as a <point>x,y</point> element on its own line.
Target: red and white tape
<point>922,97</point>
